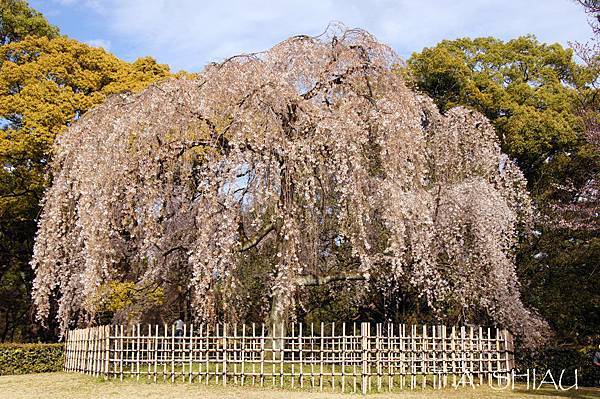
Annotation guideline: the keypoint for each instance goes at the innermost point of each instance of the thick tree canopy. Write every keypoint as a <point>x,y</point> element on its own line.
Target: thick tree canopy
<point>526,88</point>
<point>313,155</point>
<point>18,20</point>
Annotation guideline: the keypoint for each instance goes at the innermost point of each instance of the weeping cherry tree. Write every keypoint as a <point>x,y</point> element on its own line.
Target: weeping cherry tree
<point>311,152</point>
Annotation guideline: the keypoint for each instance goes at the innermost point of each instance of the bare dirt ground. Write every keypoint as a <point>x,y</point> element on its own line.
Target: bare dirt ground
<point>67,386</point>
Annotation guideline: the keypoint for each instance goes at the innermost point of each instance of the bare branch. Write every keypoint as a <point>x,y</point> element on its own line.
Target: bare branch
<point>258,237</point>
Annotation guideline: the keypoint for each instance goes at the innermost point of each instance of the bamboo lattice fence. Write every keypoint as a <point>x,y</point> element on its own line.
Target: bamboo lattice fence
<point>359,357</point>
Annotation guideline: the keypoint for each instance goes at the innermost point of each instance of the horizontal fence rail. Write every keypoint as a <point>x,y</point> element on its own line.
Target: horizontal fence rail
<point>358,357</point>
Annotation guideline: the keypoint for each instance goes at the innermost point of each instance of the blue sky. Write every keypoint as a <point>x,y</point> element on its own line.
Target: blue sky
<point>187,34</point>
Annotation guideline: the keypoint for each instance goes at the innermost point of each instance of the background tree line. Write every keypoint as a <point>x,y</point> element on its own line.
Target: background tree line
<point>542,101</point>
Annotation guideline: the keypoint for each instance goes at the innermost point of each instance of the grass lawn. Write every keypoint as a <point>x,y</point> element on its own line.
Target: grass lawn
<point>63,385</point>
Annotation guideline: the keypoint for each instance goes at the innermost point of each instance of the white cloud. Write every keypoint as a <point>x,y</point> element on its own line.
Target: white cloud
<point>188,33</point>
<point>105,44</point>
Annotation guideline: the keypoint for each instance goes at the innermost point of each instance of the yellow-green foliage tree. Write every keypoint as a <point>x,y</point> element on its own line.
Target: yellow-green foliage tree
<point>127,301</point>
<point>524,87</point>
<point>46,82</point>
<point>18,20</point>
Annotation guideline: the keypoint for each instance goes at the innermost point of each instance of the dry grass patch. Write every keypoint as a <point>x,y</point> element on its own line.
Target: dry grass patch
<point>66,386</point>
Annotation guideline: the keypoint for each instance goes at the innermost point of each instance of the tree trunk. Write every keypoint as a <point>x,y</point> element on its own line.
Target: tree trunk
<point>278,318</point>
<point>279,315</point>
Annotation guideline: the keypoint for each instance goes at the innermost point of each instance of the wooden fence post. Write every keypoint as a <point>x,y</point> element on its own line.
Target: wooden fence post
<point>509,350</point>
<point>321,347</point>
<point>66,356</point>
<point>107,353</point>
<point>365,343</point>
<point>224,343</point>
<point>173,353</point>
<point>191,352</point>
<point>121,346</point>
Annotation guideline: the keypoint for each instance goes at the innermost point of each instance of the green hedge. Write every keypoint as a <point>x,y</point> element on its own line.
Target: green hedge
<point>30,358</point>
<point>556,359</point>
